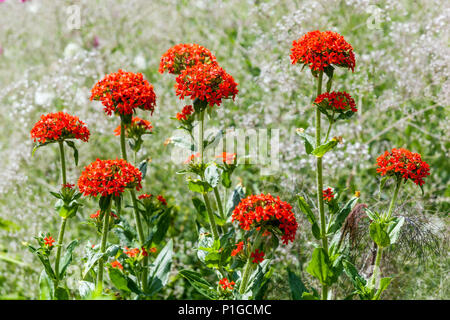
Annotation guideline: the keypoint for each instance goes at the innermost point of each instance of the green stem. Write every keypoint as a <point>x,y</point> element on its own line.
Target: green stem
<point>376,268</point>
<point>202,129</point>
<point>394,198</point>
<point>249,264</point>
<point>219,202</point>
<point>319,179</point>
<point>328,132</point>
<point>137,217</point>
<point>101,261</point>
<point>64,220</point>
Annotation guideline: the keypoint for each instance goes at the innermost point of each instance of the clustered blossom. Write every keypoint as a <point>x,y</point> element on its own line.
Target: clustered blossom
<point>67,186</point>
<point>48,241</point>
<point>206,82</point>
<point>322,49</point>
<point>403,163</point>
<point>137,127</point>
<point>182,56</point>
<point>191,157</point>
<point>262,211</point>
<point>97,215</point>
<point>122,92</point>
<point>239,248</point>
<point>185,112</point>
<point>59,126</point>
<point>145,196</point>
<point>328,194</point>
<point>109,177</point>
<point>226,284</point>
<point>117,265</point>
<point>337,101</point>
<point>162,200</point>
<point>258,256</point>
<point>227,158</point>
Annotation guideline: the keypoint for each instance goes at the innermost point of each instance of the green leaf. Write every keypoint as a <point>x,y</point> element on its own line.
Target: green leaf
<point>358,281</point>
<point>320,267</point>
<point>92,259</point>
<point>384,283</point>
<point>201,209</point>
<point>394,228</point>
<point>320,151</point>
<point>161,227</point>
<point>378,234</point>
<point>45,262</point>
<point>143,168</point>
<point>372,215</point>
<point>159,272</point>
<point>118,279</point>
<point>382,183</point>
<point>212,175</point>
<point>199,186</point>
<point>226,179</point>
<point>308,140</point>
<point>71,144</point>
<point>341,215</point>
<point>236,196</point>
<point>309,296</point>
<point>184,142</point>
<point>310,216</point>
<point>296,285</point>
<point>86,288</point>
<point>46,288</point>
<point>61,294</point>
<point>200,284</point>
<point>67,259</point>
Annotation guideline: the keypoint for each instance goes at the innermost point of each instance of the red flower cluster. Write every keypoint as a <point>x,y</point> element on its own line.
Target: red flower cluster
<point>97,215</point>
<point>321,49</point>
<point>239,248</point>
<point>116,264</point>
<point>403,163</point>
<point>337,101</point>
<point>328,194</point>
<point>258,256</point>
<point>162,200</point>
<point>109,177</point>
<point>137,127</point>
<point>228,158</point>
<point>187,111</point>
<point>67,186</point>
<point>224,282</point>
<point>122,92</point>
<point>48,241</point>
<point>59,126</point>
<point>182,56</point>
<point>257,211</point>
<point>206,82</point>
<point>132,253</point>
<point>191,157</point>
<point>145,196</point>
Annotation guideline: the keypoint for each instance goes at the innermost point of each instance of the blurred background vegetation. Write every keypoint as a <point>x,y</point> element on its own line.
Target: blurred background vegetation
<point>400,83</point>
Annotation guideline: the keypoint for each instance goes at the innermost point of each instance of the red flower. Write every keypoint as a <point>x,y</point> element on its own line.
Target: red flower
<point>337,101</point>
<point>191,157</point>
<point>162,200</point>
<point>328,194</point>
<point>258,256</point>
<point>122,92</point>
<point>59,126</point>
<point>153,250</point>
<point>226,284</point>
<point>97,215</point>
<point>403,163</point>
<point>259,211</point>
<point>68,186</point>
<point>181,56</point>
<point>321,49</point>
<point>206,82</point>
<point>109,177</point>
<point>145,196</point>
<point>116,264</point>
<point>239,248</point>
<point>137,127</point>
<point>132,253</point>
<point>48,241</point>
<point>228,158</point>
<point>186,112</point>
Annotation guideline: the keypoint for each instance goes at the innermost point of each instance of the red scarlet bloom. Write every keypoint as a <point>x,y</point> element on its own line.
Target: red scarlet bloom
<point>225,284</point>
<point>262,211</point>
<point>123,92</point>
<point>109,177</point>
<point>162,200</point>
<point>336,101</point>
<point>185,113</point>
<point>403,164</point>
<point>239,248</point>
<point>145,196</point>
<point>206,82</point>
<point>132,253</point>
<point>117,265</point>
<point>228,158</point>
<point>322,49</point>
<point>182,56</point>
<point>328,194</point>
<point>136,128</point>
<point>59,126</point>
<point>48,241</point>
<point>258,256</point>
<point>191,157</point>
<point>97,215</point>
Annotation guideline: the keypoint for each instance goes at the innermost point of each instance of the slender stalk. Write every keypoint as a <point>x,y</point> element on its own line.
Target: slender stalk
<point>394,198</point>
<point>202,129</point>
<point>219,202</point>
<point>376,268</point>
<point>328,132</point>
<point>137,217</point>
<point>101,261</point>
<point>319,179</point>
<point>249,264</point>
<point>64,220</point>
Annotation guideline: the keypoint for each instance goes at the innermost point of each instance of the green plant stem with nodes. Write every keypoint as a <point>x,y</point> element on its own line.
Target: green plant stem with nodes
<point>137,217</point>
<point>376,268</point>
<point>329,128</point>
<point>101,261</point>
<point>64,220</point>
<point>219,202</point>
<point>320,185</point>
<point>212,221</point>
<point>249,264</point>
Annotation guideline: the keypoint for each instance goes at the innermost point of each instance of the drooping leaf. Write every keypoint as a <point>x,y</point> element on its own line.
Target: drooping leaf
<point>236,196</point>
<point>341,215</point>
<point>159,272</point>
<point>320,151</point>
<point>212,175</point>
<point>71,144</point>
<point>310,216</point>
<point>320,266</point>
<point>143,168</point>
<point>308,140</point>
<point>296,285</point>
<point>67,258</point>
<point>200,284</point>
<point>378,234</point>
<point>161,227</point>
<point>118,279</point>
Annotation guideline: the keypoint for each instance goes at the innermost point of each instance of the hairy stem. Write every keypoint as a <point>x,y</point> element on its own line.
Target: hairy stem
<point>394,198</point>
<point>101,261</point>
<point>219,202</point>
<point>376,268</point>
